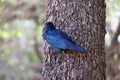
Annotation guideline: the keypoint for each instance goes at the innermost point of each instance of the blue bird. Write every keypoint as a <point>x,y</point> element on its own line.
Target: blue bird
<point>58,40</point>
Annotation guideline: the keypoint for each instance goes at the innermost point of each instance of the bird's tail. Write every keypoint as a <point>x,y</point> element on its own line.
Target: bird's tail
<point>77,48</point>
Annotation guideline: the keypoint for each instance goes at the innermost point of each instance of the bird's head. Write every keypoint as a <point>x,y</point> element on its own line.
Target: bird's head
<point>49,26</point>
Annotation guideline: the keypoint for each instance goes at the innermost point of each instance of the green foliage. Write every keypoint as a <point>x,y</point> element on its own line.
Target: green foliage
<point>112,19</point>
<point>17,38</point>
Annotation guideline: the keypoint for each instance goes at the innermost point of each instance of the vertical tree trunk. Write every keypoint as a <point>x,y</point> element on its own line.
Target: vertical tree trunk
<point>84,21</point>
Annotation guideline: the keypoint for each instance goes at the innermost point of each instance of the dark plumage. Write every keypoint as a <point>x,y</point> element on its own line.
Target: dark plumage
<point>58,40</point>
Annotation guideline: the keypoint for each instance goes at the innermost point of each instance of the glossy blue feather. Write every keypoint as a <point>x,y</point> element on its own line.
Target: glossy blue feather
<point>58,40</point>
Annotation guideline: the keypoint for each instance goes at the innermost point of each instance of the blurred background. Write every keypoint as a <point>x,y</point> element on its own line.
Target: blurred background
<point>21,44</point>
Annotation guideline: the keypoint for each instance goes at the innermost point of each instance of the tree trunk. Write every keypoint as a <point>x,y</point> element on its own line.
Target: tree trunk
<point>84,22</point>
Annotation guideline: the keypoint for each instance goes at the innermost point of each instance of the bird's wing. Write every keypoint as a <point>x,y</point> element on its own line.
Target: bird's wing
<point>55,40</point>
<point>65,36</point>
<point>70,43</point>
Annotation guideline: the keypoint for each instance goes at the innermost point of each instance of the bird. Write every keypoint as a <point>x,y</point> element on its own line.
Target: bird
<point>59,40</point>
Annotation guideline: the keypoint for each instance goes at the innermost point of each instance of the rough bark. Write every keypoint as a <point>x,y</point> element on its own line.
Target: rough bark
<point>84,22</point>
